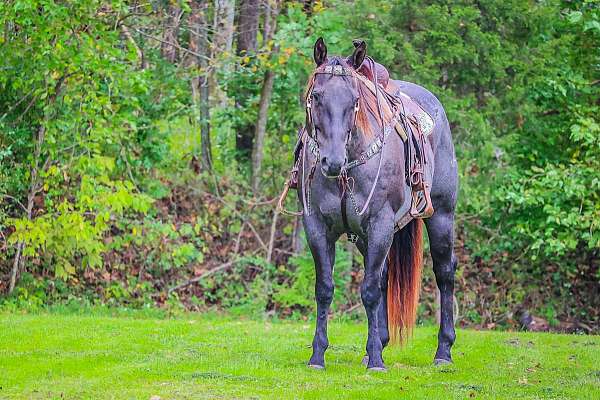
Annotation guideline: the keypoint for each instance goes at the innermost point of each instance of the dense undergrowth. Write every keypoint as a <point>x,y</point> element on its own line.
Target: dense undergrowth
<point>104,200</point>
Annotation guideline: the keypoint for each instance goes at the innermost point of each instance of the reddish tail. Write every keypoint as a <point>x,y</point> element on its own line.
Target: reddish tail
<point>405,260</point>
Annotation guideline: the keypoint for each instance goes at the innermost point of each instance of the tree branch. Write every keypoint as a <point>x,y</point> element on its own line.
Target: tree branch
<point>178,47</point>
<point>204,275</point>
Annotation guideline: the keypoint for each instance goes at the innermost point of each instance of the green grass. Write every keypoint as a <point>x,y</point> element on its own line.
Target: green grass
<point>102,357</point>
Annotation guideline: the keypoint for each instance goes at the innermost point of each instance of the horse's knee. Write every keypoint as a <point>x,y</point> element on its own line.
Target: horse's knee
<point>370,293</point>
<point>444,272</point>
<point>324,291</point>
<point>442,249</point>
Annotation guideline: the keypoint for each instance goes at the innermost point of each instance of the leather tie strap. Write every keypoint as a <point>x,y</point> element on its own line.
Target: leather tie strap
<point>344,184</point>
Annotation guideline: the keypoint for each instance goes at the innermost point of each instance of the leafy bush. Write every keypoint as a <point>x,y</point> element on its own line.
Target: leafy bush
<point>102,189</point>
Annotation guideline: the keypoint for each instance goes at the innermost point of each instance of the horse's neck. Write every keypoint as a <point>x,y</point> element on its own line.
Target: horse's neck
<point>393,149</point>
<point>358,145</point>
<point>360,141</point>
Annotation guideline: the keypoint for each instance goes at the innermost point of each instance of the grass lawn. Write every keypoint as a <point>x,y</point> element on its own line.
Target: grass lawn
<point>102,357</point>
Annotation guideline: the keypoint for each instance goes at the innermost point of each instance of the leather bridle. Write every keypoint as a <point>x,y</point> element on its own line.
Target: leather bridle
<point>336,70</point>
<point>346,184</point>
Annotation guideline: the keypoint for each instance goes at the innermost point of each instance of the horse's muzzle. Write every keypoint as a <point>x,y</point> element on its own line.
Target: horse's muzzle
<point>331,169</point>
<point>328,175</point>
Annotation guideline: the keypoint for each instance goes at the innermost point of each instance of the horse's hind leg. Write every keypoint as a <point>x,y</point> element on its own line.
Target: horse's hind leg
<point>440,228</point>
<point>323,251</point>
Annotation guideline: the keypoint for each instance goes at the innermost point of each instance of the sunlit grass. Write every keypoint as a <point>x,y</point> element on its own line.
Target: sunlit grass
<point>195,356</point>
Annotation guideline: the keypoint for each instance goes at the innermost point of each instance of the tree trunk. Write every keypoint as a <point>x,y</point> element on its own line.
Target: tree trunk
<point>205,124</point>
<point>222,40</point>
<point>247,18</point>
<point>263,106</point>
<point>297,242</point>
<point>272,234</point>
<point>267,21</point>
<point>170,42</point>
<point>200,90</point>
<point>14,274</point>
<point>138,50</point>
<point>261,128</point>
<point>223,26</point>
<point>34,188</point>
<point>249,12</point>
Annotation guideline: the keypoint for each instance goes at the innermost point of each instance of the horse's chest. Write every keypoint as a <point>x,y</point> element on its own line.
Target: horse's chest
<point>330,207</point>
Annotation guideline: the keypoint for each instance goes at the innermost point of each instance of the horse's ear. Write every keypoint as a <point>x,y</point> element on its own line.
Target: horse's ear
<point>320,52</point>
<point>360,52</point>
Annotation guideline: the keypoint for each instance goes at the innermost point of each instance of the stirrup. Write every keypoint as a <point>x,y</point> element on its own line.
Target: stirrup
<point>421,205</point>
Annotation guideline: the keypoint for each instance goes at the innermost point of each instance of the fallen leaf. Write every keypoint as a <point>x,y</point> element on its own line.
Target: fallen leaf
<point>523,381</point>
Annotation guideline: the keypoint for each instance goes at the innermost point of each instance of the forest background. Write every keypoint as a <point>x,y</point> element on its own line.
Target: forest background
<point>143,144</point>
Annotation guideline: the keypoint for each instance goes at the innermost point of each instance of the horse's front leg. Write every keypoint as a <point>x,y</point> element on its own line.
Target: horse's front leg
<point>382,317</point>
<point>322,247</point>
<point>380,236</point>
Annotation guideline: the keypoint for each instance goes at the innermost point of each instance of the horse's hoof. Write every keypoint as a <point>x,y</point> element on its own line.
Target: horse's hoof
<point>365,361</point>
<point>377,369</point>
<point>316,366</point>
<point>441,361</point>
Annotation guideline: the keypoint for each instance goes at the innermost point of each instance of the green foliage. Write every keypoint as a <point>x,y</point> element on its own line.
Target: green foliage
<point>550,198</point>
<point>519,84</point>
<point>76,228</point>
<point>299,294</point>
<point>98,156</point>
<point>75,130</point>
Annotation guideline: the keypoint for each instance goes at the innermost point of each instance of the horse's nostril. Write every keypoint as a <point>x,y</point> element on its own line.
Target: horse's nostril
<point>324,160</point>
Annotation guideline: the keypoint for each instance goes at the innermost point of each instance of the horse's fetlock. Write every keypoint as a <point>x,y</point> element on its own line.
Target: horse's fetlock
<point>447,336</point>
<point>321,343</point>
<point>385,337</point>
<point>442,249</point>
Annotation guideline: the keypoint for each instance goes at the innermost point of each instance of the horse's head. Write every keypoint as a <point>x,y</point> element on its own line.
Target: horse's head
<point>332,104</point>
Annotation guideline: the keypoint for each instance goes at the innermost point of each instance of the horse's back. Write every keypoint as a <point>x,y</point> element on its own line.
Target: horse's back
<point>427,101</point>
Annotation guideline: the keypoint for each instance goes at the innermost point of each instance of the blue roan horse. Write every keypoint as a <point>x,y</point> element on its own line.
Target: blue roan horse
<point>354,177</point>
